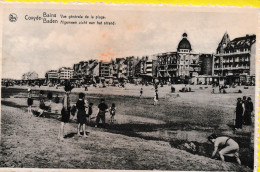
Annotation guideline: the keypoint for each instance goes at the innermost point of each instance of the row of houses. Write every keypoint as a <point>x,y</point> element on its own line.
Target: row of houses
<point>234,62</point>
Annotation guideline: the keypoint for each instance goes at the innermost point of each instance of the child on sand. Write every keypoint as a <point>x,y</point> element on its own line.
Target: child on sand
<point>101,113</point>
<point>156,99</point>
<point>81,114</point>
<point>73,111</point>
<point>30,101</point>
<point>90,111</point>
<point>42,106</point>
<point>141,92</point>
<point>56,100</point>
<point>112,113</point>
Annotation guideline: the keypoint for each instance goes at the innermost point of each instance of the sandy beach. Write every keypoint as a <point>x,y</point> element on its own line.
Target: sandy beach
<point>137,141</point>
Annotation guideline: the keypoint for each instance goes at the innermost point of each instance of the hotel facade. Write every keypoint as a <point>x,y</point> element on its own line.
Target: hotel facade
<point>234,61</point>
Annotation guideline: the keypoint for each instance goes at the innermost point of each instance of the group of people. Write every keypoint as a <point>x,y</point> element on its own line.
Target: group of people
<point>244,109</point>
<point>84,111</point>
<point>82,108</point>
<point>226,146</point>
<point>221,89</point>
<point>42,106</point>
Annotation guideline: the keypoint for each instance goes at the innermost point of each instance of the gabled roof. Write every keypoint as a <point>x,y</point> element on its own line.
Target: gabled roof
<point>243,42</point>
<point>224,42</point>
<point>237,43</point>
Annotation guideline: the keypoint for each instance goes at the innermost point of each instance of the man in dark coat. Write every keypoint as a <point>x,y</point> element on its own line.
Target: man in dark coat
<point>239,114</point>
<point>249,107</point>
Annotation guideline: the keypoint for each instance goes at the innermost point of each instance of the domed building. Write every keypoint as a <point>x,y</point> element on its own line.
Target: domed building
<point>184,45</point>
<point>188,64</point>
<point>180,66</point>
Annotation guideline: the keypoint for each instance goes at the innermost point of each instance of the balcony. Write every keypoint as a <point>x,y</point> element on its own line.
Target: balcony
<point>225,60</point>
<point>237,67</point>
<point>233,53</point>
<point>172,69</point>
<point>194,64</point>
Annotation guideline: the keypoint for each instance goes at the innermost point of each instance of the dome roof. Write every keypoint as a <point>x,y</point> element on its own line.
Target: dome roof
<point>184,43</point>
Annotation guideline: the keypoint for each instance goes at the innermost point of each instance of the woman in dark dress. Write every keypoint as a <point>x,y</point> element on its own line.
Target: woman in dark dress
<point>249,107</point>
<point>29,101</point>
<point>81,106</point>
<point>239,114</point>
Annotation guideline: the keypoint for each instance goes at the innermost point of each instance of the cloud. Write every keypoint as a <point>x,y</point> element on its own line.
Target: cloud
<point>41,47</point>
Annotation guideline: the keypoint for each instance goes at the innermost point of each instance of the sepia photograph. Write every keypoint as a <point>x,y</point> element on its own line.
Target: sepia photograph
<point>128,87</point>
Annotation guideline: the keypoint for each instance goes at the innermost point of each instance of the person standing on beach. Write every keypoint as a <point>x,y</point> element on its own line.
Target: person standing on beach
<point>81,116</point>
<point>156,98</point>
<point>65,112</point>
<point>56,100</point>
<point>244,100</point>
<point>141,92</point>
<point>102,112</point>
<point>90,111</point>
<point>112,113</point>
<point>29,101</point>
<point>249,107</point>
<point>239,114</point>
<point>42,106</point>
<point>86,87</point>
<point>49,96</point>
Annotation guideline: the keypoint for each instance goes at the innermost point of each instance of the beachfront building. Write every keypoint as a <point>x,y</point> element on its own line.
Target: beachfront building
<point>180,66</point>
<point>234,61</point>
<point>86,71</point>
<point>130,70</point>
<point>124,68</point>
<point>104,69</point>
<point>137,71</point>
<point>80,70</point>
<point>52,76</point>
<point>206,72</point>
<point>93,71</point>
<point>65,73</point>
<point>167,67</point>
<point>121,68</point>
<point>188,62</point>
<point>105,72</point>
<point>148,68</point>
<point>206,62</point>
<point>30,76</point>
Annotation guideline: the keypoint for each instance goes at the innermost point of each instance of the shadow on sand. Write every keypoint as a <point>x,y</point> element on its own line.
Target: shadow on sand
<point>70,135</point>
<point>133,130</point>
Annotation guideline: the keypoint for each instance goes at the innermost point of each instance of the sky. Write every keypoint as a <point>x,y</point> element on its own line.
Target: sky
<point>35,46</point>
